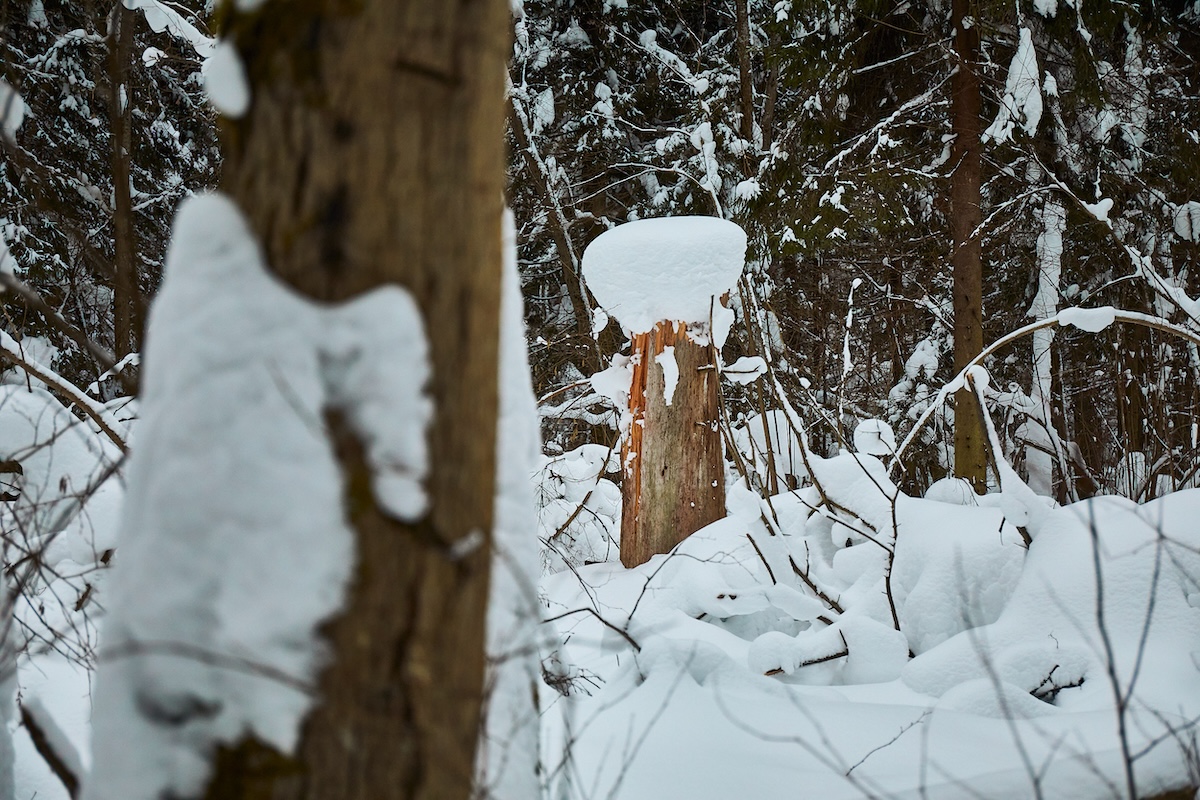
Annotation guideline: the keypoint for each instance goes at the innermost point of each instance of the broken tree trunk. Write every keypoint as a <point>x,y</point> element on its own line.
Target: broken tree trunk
<point>674,479</point>
<point>661,278</point>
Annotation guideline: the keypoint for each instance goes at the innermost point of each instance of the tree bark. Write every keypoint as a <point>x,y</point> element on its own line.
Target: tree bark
<point>373,153</point>
<point>772,95</point>
<point>747,84</point>
<point>674,480</point>
<point>970,453</point>
<point>1133,364</point>
<point>126,293</point>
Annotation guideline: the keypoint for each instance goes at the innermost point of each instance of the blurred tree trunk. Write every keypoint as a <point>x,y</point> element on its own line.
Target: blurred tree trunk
<point>674,480</point>
<point>373,153</point>
<point>970,455</point>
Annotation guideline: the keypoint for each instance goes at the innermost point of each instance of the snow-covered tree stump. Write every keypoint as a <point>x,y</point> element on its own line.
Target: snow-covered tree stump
<point>662,279</point>
<point>674,477</point>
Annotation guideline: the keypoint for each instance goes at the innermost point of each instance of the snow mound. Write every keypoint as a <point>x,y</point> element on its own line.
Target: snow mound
<point>874,437</point>
<point>955,491</point>
<point>773,628</point>
<point>673,268</point>
<point>955,568</point>
<point>1105,584</point>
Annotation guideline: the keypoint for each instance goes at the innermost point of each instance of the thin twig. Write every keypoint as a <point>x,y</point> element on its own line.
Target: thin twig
<point>623,634</point>
<point>770,572</point>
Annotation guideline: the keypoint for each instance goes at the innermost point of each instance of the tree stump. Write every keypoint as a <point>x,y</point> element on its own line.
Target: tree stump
<point>662,279</point>
<point>674,481</point>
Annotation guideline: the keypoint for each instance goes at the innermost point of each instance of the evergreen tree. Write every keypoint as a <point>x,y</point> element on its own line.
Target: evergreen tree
<point>117,131</point>
<point>1088,118</point>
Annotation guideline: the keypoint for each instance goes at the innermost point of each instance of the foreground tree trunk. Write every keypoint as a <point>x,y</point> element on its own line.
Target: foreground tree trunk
<point>674,481</point>
<point>970,455</point>
<point>373,153</point>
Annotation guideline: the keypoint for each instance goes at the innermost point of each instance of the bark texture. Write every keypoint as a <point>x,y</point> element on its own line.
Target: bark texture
<point>674,479</point>
<point>127,327</point>
<point>745,76</point>
<point>374,153</point>
<point>970,453</point>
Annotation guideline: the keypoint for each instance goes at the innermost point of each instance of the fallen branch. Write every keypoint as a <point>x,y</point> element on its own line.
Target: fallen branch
<point>52,746</point>
<point>845,651</point>
<point>1124,317</point>
<point>11,350</point>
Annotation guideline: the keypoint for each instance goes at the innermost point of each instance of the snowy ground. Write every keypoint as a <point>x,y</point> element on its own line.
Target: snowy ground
<point>761,659</point>
<point>841,640</point>
<point>1010,694</point>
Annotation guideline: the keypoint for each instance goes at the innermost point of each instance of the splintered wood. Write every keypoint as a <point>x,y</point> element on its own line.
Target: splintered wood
<point>673,478</point>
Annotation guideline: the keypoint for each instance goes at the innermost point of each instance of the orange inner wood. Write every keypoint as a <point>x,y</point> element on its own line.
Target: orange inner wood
<point>645,347</point>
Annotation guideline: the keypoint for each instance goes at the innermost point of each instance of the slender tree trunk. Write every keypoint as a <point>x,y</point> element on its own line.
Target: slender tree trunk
<point>674,480</point>
<point>591,357</point>
<point>126,308</point>
<point>1133,406</point>
<point>772,95</point>
<point>970,453</point>
<point>1042,452</point>
<point>747,82</point>
<point>373,153</point>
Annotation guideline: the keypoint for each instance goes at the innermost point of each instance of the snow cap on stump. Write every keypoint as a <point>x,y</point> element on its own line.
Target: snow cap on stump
<point>651,270</point>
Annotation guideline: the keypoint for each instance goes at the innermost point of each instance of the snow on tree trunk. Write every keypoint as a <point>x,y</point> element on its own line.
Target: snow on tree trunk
<point>234,544</point>
<point>662,279</point>
<point>373,153</point>
<point>1040,448</point>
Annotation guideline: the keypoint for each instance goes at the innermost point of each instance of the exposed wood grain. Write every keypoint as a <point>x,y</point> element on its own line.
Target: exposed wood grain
<point>674,482</point>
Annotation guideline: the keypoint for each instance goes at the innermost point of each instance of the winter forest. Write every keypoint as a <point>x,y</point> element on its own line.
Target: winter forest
<point>582,399</point>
